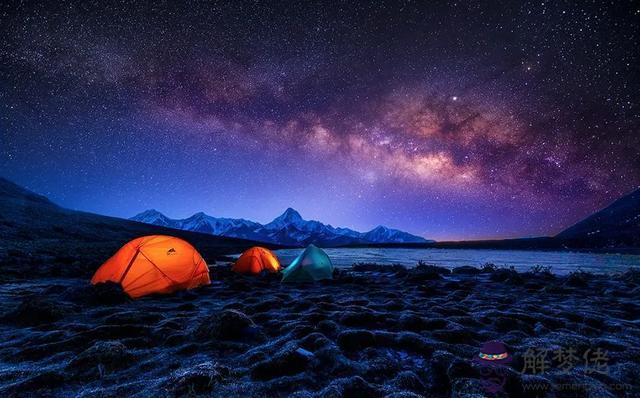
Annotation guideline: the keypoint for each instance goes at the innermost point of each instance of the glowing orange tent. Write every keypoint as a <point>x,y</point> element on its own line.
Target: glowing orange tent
<point>154,264</point>
<point>256,260</point>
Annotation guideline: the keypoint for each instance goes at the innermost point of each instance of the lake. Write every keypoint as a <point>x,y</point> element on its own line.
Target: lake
<point>560,262</point>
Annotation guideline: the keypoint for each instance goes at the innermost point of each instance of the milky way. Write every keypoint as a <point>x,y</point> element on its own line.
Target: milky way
<point>450,121</point>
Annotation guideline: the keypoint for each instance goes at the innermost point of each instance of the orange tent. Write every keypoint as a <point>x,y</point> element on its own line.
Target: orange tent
<point>154,264</point>
<point>256,260</point>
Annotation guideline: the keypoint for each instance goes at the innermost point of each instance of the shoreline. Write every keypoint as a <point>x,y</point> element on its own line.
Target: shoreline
<point>498,245</point>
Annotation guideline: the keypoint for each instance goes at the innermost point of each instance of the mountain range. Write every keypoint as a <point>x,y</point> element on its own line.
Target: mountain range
<point>35,230</point>
<point>287,229</point>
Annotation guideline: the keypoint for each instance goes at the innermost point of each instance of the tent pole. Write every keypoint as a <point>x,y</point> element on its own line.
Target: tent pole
<point>126,271</point>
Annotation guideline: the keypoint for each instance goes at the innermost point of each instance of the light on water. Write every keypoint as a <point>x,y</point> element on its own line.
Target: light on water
<point>560,262</point>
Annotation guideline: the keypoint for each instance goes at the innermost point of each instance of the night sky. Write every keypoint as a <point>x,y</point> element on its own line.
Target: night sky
<point>451,121</point>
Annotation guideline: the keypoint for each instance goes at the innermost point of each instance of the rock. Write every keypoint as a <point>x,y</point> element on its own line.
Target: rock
<point>332,361</point>
<point>456,336</point>
<point>508,276</point>
<point>469,388</point>
<point>531,386</point>
<point>289,362</point>
<point>37,311</point>
<point>351,387</point>
<point>626,372</point>
<point>466,270</point>
<point>424,276</point>
<point>174,340</point>
<point>555,289</point>
<point>608,344</point>
<point>428,290</point>
<point>577,279</point>
<point>228,325</point>
<point>372,267</point>
<point>404,394</point>
<point>513,386</point>
<point>394,305</point>
<point>379,368</point>
<point>435,323</point>
<point>505,324</point>
<point>539,329</point>
<point>488,268</point>
<point>298,331</point>
<point>409,381</point>
<point>452,286</point>
<point>423,267</point>
<point>305,353</point>
<point>596,322</point>
<point>331,391</point>
<point>353,340</point>
<point>461,369</point>
<point>108,293</point>
<point>412,322</point>
<point>534,286</point>
<point>116,332</point>
<point>328,328</point>
<point>362,318</point>
<point>314,341</point>
<point>631,310</point>
<point>440,362</point>
<point>426,273</point>
<point>133,318</point>
<point>199,379</point>
<point>103,356</point>
<point>42,381</point>
<point>302,394</point>
<point>414,342</point>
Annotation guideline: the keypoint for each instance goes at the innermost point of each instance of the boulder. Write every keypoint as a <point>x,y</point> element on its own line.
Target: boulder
<point>101,358</point>
<point>199,379</point>
<point>228,325</point>
<point>350,387</point>
<point>288,362</point>
<point>37,311</point>
<point>409,381</point>
<point>353,340</point>
<point>466,270</point>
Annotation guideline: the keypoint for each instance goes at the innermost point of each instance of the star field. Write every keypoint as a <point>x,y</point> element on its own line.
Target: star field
<point>449,120</point>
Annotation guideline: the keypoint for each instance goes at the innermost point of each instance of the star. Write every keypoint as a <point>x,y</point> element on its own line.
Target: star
<point>242,111</point>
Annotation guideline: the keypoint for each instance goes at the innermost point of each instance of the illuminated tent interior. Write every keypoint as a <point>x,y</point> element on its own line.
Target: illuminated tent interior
<point>256,260</point>
<point>154,264</point>
<point>312,265</point>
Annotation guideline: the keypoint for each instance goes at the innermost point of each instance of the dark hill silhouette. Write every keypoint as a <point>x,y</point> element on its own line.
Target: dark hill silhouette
<point>617,225</point>
<point>40,238</point>
<point>615,228</point>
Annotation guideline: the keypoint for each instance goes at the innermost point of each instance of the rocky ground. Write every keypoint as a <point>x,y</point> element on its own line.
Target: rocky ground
<point>373,331</point>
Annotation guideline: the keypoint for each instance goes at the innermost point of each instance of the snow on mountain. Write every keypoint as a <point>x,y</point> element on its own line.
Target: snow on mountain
<point>289,228</point>
<point>217,226</point>
<point>290,216</point>
<point>154,217</point>
<point>388,235</point>
<point>200,222</point>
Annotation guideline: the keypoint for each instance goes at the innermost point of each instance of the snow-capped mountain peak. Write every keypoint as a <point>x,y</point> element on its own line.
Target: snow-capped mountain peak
<point>389,235</point>
<point>288,228</point>
<point>380,229</point>
<point>153,216</point>
<point>289,217</point>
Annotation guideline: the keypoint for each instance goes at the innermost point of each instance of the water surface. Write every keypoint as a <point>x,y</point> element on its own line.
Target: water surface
<point>522,260</point>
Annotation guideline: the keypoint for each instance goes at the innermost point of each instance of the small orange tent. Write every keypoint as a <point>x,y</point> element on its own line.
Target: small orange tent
<point>154,264</point>
<point>256,260</point>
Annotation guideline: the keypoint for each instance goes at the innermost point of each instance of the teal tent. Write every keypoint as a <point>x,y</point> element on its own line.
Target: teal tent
<point>312,265</point>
